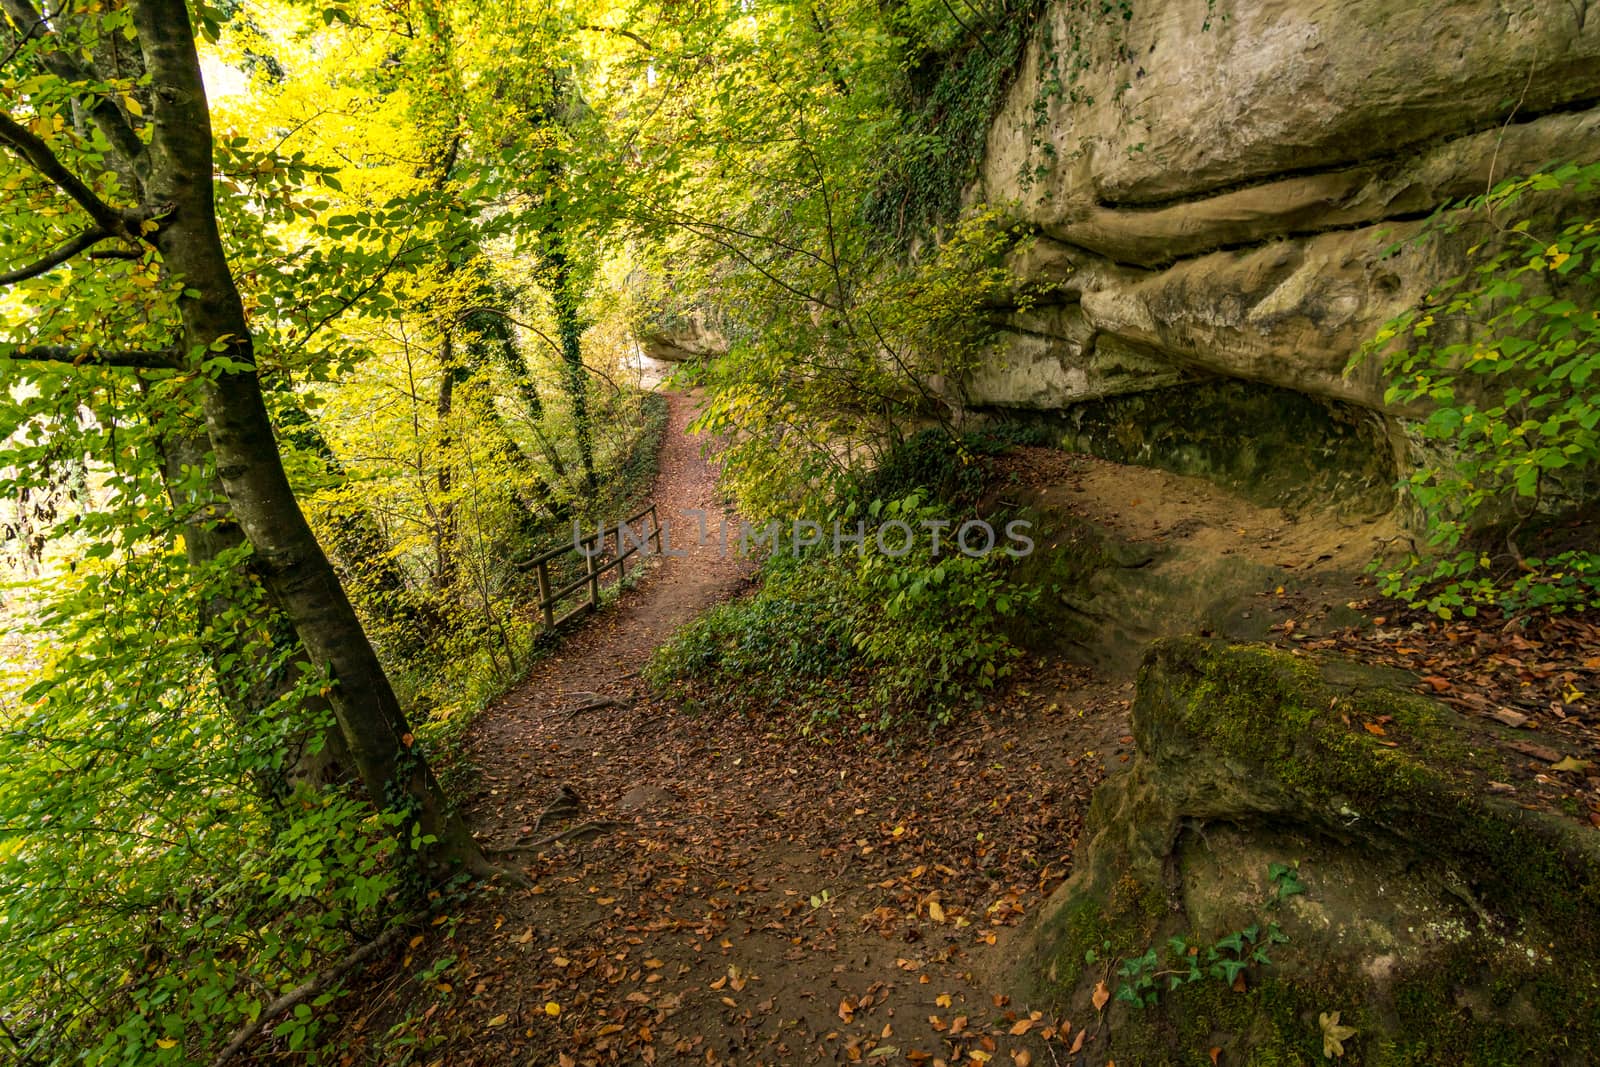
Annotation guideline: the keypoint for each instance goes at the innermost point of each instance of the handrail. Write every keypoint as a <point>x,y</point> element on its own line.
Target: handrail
<point>561,550</point>
<point>593,568</point>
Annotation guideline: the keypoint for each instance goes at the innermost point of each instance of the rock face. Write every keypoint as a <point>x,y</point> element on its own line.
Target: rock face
<point>1215,182</point>
<point>678,338</point>
<point>1315,868</point>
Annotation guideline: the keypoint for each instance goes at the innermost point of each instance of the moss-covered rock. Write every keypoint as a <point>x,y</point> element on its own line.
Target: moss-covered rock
<point>1446,925</point>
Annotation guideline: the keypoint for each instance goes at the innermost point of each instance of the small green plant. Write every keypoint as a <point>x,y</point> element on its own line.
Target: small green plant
<point>1285,879</point>
<point>1144,977</point>
<point>1183,961</point>
<point>1501,358</point>
<point>910,636</point>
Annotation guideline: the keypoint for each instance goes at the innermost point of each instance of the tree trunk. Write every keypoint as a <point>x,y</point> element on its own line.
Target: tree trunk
<point>236,621</point>
<point>294,568</point>
<point>569,327</point>
<point>444,531</point>
<point>410,623</point>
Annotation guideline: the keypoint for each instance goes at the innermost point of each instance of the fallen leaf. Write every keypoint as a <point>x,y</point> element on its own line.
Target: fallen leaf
<point>1333,1035</point>
<point>936,911</point>
<point>1374,728</point>
<point>551,1008</point>
<point>1510,718</point>
<point>1216,1054</point>
<point>1571,765</point>
<point>499,1020</point>
<point>1077,1043</point>
<point>1436,683</point>
<point>1101,997</point>
<point>1539,752</point>
<point>1020,1027</point>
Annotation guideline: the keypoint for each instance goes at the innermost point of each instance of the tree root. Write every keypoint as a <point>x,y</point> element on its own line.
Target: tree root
<point>301,993</point>
<point>594,705</point>
<point>572,833</point>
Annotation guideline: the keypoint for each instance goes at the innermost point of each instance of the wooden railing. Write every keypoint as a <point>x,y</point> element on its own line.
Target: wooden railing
<point>597,560</point>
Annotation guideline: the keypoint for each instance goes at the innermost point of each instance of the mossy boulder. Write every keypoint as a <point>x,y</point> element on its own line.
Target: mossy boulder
<point>1276,795</point>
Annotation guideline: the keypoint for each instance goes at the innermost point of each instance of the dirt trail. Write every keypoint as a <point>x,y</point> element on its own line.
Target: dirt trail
<point>601,659</point>
<point>738,896</point>
<point>749,898</point>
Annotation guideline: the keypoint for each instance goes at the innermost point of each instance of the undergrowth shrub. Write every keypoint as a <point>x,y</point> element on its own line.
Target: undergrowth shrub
<point>858,638</point>
<point>152,899</point>
<point>1503,358</point>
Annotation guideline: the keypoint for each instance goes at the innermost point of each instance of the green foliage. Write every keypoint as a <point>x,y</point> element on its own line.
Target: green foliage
<point>1501,358</point>
<point>863,637</point>
<point>937,152</point>
<point>940,464</point>
<point>790,396</point>
<point>1285,879</point>
<point>151,899</point>
<point>1183,961</point>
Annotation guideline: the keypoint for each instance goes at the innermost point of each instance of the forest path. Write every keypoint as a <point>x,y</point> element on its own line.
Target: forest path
<point>732,894</point>
<point>600,659</point>
<point>749,898</point>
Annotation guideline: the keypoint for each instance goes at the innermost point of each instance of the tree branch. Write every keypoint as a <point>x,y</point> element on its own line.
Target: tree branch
<point>57,256</point>
<point>107,115</point>
<point>629,34</point>
<point>103,108</point>
<point>147,359</point>
<point>38,155</point>
<point>307,990</point>
<point>546,338</point>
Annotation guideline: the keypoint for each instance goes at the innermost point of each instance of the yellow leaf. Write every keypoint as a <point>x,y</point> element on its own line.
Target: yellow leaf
<point>936,911</point>
<point>134,107</point>
<point>551,1008</point>
<point>1101,996</point>
<point>1333,1035</point>
<point>166,1042</point>
<point>498,1020</point>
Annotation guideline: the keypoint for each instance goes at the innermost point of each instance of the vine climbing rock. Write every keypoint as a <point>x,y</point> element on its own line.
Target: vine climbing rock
<point>1429,918</point>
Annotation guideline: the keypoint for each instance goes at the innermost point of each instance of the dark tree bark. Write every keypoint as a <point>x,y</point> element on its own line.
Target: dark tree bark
<point>444,532</point>
<point>565,292</point>
<point>237,621</point>
<point>293,566</point>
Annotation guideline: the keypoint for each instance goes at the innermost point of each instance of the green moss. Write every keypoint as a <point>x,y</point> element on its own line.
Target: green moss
<point>1242,733</point>
<point>1272,711</point>
<point>1068,553</point>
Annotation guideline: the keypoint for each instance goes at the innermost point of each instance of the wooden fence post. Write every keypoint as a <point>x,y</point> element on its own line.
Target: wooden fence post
<point>542,571</point>
<point>593,562</point>
<point>655,528</point>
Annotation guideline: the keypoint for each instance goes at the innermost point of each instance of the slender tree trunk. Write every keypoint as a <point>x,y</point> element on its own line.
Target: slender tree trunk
<point>255,654</point>
<point>569,328</point>
<point>444,534</point>
<point>294,568</point>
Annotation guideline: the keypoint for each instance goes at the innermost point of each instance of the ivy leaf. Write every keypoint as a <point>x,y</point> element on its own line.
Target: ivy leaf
<point>1334,1035</point>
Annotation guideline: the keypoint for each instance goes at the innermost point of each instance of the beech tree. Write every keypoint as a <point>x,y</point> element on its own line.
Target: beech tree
<point>117,122</point>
